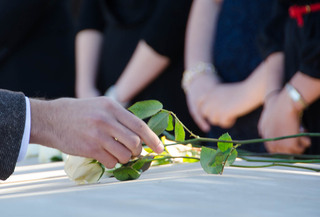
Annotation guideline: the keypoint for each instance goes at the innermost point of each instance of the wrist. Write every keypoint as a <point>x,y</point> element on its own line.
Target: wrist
<point>296,98</point>
<point>271,94</point>
<point>199,70</point>
<point>42,114</point>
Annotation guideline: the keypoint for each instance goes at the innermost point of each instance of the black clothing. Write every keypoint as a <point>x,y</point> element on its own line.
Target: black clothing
<point>235,50</point>
<point>236,55</point>
<point>161,23</point>
<point>301,46</point>
<point>37,47</point>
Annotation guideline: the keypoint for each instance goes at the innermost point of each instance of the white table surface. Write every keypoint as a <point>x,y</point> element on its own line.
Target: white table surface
<point>173,190</point>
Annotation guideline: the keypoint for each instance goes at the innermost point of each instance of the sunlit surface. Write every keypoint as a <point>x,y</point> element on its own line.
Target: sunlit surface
<point>171,190</point>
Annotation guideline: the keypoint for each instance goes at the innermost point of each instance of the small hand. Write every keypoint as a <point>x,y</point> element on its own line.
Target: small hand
<point>280,118</point>
<point>195,94</point>
<point>217,106</point>
<point>224,103</point>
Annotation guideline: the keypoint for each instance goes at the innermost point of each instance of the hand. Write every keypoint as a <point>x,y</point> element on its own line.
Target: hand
<point>195,94</point>
<point>280,118</point>
<point>97,128</point>
<point>224,103</point>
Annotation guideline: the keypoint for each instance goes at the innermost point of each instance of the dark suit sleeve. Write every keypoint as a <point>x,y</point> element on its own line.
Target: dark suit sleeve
<point>12,122</point>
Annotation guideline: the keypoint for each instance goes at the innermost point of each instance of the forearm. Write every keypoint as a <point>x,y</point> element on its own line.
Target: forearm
<point>88,47</point>
<point>275,72</point>
<point>200,32</point>
<point>143,68</point>
<point>255,87</point>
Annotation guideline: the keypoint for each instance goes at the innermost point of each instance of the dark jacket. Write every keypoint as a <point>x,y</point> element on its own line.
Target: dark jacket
<point>12,121</point>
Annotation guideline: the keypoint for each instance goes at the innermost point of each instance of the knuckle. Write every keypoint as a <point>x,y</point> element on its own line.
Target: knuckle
<point>91,149</point>
<point>111,163</point>
<point>125,157</point>
<point>96,120</point>
<point>108,103</point>
<point>134,142</point>
<point>137,151</point>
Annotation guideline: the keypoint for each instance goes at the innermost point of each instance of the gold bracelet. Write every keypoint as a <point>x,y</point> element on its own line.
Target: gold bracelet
<point>191,74</point>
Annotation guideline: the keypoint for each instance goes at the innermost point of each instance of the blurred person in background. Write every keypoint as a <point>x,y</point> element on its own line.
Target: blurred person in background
<point>292,41</point>
<point>133,50</point>
<point>36,57</point>
<point>37,47</point>
<point>37,52</point>
<point>224,67</point>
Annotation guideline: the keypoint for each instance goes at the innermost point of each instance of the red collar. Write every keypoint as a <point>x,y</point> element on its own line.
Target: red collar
<point>296,12</point>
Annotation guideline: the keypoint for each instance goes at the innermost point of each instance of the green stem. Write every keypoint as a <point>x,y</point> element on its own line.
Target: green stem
<point>281,161</point>
<point>277,164</point>
<point>170,157</point>
<point>249,141</point>
<point>175,116</point>
<point>279,156</point>
<point>224,163</point>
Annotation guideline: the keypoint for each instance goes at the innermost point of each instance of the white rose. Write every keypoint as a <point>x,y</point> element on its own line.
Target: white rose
<point>178,150</point>
<point>83,170</point>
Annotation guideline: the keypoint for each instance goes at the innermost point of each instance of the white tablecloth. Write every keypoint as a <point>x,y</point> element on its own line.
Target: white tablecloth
<point>174,190</point>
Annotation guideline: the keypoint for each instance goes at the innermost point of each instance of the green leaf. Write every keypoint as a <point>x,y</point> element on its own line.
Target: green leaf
<point>179,132</point>
<point>213,161</point>
<point>231,159</point>
<point>159,122</point>
<point>170,123</point>
<point>224,146</point>
<point>207,161</point>
<point>126,173</point>
<point>145,109</point>
<point>142,164</point>
<point>160,160</point>
<point>220,157</point>
<point>56,159</point>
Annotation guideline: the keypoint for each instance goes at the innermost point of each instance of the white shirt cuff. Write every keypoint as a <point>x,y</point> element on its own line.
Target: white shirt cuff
<point>26,134</point>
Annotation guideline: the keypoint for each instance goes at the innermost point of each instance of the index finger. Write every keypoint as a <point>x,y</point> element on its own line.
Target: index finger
<point>139,127</point>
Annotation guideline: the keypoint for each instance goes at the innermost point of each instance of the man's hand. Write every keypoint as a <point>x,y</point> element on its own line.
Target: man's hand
<point>98,128</point>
